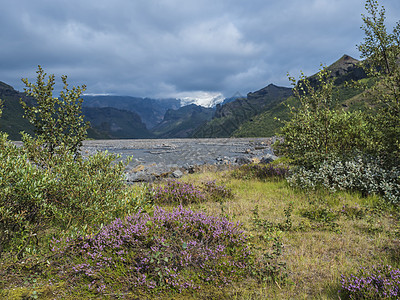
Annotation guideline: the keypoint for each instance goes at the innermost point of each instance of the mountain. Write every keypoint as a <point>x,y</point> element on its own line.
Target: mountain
<point>346,69</point>
<point>237,95</point>
<point>251,116</point>
<point>11,120</point>
<point>257,114</point>
<point>151,111</point>
<point>105,122</point>
<point>182,122</point>
<point>342,71</point>
<point>228,117</point>
<point>109,122</point>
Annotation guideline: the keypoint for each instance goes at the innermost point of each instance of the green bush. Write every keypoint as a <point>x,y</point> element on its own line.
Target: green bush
<point>47,184</point>
<point>58,121</point>
<point>324,143</point>
<point>317,130</point>
<point>62,191</point>
<point>23,188</point>
<point>361,173</point>
<point>382,50</point>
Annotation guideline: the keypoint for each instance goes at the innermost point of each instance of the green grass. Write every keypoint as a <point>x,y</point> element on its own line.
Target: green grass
<point>330,235</point>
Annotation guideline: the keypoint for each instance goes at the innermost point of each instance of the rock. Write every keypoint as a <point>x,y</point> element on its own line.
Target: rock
<point>189,168</point>
<point>139,177</point>
<point>177,174</point>
<point>242,160</point>
<point>268,159</point>
<point>138,168</point>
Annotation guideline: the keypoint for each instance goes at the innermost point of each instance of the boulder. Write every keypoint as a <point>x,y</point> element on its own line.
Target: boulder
<point>177,174</point>
<point>268,159</point>
<point>242,160</point>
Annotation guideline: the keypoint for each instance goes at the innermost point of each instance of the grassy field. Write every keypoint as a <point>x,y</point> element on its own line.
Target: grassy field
<point>321,236</point>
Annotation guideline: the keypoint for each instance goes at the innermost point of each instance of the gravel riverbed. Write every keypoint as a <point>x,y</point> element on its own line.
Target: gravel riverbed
<point>155,158</point>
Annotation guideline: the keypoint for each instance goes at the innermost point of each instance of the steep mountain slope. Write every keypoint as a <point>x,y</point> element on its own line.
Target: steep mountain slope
<point>230,116</point>
<point>346,69</point>
<point>343,71</point>
<point>182,122</point>
<point>151,111</point>
<point>110,122</point>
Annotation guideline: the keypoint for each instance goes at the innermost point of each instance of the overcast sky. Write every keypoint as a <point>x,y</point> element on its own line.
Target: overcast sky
<point>177,48</point>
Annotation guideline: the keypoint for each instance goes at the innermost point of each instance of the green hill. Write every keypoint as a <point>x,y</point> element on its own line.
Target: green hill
<point>11,120</point>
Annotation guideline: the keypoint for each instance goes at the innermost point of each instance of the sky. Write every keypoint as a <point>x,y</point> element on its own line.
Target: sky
<point>198,49</point>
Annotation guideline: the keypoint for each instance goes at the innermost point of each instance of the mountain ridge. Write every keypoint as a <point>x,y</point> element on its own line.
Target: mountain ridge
<point>238,116</point>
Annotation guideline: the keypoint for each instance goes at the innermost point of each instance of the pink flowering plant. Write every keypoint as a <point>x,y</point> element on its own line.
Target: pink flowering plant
<point>378,282</point>
<point>177,192</point>
<point>178,250</point>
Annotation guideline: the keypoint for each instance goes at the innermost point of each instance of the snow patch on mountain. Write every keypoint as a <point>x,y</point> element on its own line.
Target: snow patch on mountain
<point>201,98</point>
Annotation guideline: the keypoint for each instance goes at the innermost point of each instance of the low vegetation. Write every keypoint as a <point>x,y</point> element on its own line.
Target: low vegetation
<point>321,222</point>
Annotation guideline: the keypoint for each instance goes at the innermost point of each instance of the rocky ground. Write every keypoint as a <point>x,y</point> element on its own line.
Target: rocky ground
<point>155,159</point>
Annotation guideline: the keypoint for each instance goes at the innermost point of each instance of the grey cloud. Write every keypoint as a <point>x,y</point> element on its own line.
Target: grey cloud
<point>166,47</point>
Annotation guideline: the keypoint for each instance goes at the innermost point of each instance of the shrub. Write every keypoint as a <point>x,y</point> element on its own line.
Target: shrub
<point>58,121</point>
<point>381,50</point>
<point>23,190</point>
<point>317,129</point>
<point>381,282</point>
<point>176,192</point>
<point>178,250</point>
<point>362,173</point>
<point>61,191</point>
<point>90,190</point>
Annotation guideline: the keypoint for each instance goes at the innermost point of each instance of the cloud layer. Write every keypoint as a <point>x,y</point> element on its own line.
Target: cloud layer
<point>167,48</point>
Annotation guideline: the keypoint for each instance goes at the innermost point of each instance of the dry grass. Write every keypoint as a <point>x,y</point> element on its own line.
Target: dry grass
<point>315,256</point>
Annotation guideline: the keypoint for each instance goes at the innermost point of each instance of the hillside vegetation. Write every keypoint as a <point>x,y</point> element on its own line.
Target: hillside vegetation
<point>268,108</point>
<point>230,116</point>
